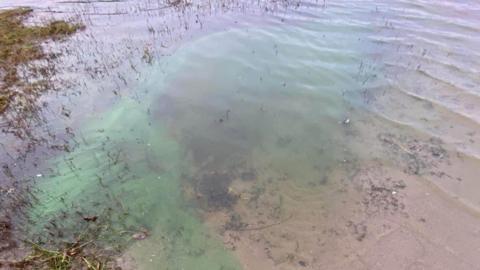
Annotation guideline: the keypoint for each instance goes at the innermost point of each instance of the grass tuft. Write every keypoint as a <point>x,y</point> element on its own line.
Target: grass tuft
<point>72,256</point>
<point>21,44</point>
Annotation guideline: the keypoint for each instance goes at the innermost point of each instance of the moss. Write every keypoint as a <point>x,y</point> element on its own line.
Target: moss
<point>20,44</point>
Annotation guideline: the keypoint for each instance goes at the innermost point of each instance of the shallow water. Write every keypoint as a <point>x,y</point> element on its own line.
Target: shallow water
<point>253,115</point>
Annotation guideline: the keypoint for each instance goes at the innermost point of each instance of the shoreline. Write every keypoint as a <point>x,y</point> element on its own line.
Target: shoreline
<point>263,165</point>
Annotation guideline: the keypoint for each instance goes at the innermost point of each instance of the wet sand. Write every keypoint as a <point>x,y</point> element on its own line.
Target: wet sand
<point>380,215</point>
<point>382,219</point>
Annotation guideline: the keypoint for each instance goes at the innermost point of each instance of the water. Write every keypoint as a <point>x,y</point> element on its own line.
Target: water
<point>273,140</point>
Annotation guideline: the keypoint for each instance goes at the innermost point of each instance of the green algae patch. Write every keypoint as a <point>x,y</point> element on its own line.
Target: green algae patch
<point>122,189</point>
<point>20,44</point>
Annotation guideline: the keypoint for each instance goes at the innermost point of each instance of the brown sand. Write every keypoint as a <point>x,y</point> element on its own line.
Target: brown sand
<point>416,213</point>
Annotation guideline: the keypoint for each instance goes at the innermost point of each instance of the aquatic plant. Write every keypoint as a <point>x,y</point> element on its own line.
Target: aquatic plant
<point>20,44</point>
<point>72,256</point>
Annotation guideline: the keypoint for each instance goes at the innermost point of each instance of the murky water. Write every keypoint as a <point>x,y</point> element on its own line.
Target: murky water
<point>241,146</point>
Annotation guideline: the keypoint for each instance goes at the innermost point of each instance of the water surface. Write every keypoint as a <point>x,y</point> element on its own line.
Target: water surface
<point>259,123</point>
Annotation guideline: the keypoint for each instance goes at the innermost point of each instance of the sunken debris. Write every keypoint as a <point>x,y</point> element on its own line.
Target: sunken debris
<point>384,197</point>
<point>359,230</point>
<point>235,223</point>
<point>417,156</point>
<point>6,241</point>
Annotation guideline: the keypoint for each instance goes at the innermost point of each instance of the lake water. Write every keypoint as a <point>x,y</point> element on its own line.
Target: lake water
<point>265,135</point>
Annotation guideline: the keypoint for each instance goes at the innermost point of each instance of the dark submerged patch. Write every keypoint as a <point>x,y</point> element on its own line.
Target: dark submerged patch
<point>6,241</point>
<point>213,190</point>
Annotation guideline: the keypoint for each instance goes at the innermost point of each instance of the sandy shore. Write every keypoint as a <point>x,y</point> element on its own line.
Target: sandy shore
<point>381,218</point>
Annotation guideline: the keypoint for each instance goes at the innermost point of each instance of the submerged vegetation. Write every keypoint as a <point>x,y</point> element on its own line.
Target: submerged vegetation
<point>26,71</point>
<point>72,256</point>
<point>86,244</point>
<point>20,44</point>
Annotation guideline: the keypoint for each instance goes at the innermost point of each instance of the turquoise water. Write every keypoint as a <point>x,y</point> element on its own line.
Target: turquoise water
<point>261,98</point>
